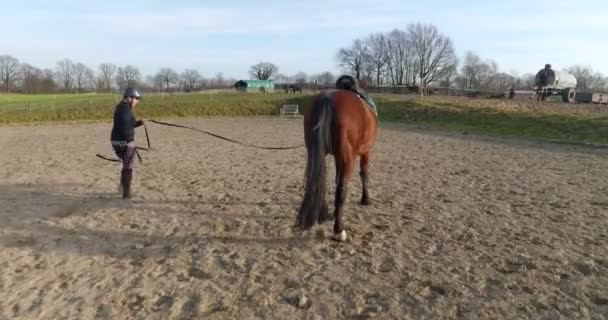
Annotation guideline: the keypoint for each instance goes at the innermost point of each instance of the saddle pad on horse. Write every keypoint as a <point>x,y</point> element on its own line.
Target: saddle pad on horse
<point>348,82</point>
<point>369,101</point>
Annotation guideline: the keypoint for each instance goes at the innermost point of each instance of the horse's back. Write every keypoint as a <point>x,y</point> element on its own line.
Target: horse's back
<point>351,109</point>
<point>354,121</point>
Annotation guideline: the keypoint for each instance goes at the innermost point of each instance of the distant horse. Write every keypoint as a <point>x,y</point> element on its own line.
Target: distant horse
<point>413,89</point>
<point>340,123</point>
<point>295,87</point>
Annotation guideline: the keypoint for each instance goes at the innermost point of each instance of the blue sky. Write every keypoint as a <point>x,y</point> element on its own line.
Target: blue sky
<point>229,36</point>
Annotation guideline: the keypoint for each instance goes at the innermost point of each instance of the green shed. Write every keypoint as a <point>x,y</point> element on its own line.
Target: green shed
<point>254,85</point>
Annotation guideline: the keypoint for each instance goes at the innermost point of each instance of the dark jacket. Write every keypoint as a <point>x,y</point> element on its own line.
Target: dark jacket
<point>124,123</point>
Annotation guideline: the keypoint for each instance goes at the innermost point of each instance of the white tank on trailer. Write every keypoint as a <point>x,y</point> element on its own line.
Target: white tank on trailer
<point>563,80</point>
<point>549,81</point>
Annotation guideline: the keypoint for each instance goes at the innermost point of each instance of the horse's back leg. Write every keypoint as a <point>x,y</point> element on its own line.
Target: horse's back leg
<point>363,173</point>
<point>345,165</point>
<point>323,214</point>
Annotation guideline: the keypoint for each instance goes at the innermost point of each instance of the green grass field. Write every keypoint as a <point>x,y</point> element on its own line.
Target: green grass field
<point>454,115</point>
<point>546,126</point>
<point>21,100</point>
<point>61,108</point>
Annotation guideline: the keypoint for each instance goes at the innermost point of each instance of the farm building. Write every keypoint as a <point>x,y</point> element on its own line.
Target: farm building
<point>254,85</point>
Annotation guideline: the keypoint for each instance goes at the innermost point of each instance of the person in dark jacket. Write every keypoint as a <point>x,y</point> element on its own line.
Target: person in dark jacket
<point>123,136</point>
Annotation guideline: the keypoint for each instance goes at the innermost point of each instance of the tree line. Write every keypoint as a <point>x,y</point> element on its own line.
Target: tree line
<point>76,77</point>
<point>421,56</point>
<point>268,70</point>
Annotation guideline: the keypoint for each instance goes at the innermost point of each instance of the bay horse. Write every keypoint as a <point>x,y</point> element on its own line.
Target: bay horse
<point>295,87</point>
<point>340,123</point>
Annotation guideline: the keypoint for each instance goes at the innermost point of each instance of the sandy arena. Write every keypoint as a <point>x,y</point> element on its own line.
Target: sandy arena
<point>460,227</point>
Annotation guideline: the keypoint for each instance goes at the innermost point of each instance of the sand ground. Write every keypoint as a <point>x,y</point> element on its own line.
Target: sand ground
<point>460,227</point>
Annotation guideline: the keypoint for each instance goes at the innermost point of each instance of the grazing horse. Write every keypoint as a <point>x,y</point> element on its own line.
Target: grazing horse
<point>295,87</point>
<point>338,122</point>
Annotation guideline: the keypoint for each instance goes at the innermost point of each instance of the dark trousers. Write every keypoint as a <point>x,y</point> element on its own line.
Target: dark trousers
<point>126,153</point>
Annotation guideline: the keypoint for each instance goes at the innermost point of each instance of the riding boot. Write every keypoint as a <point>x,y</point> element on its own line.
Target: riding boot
<point>125,181</point>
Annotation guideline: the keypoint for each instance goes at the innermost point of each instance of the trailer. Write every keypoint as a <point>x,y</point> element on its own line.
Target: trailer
<point>600,98</point>
<point>555,82</point>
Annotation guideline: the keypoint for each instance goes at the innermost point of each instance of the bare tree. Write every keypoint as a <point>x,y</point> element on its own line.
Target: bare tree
<point>9,71</point>
<point>127,76</point>
<point>281,78</point>
<point>527,81</point>
<point>586,79</point>
<point>204,83</point>
<point>49,84</point>
<point>34,80</point>
<point>378,54</point>
<point>400,64</point>
<point>326,78</point>
<point>31,79</point>
<point>230,81</point>
<point>470,69</point>
<point>219,78</point>
<point>368,70</point>
<point>168,76</point>
<point>352,59</point>
<point>460,82</point>
<point>488,72</point>
<point>300,78</point>
<point>582,75</point>
<point>479,74</point>
<point>90,79</point>
<point>192,79</point>
<point>28,77</point>
<point>263,70</point>
<point>65,74</point>
<point>599,81</point>
<point>107,72</point>
<point>83,77</point>
<point>434,53</point>
<point>449,78</point>
<point>501,82</point>
<point>156,82</point>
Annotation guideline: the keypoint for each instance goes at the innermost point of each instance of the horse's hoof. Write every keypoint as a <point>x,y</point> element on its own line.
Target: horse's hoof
<point>341,237</point>
<point>365,202</point>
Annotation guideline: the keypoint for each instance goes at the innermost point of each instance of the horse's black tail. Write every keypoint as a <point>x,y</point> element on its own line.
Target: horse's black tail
<point>319,146</point>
